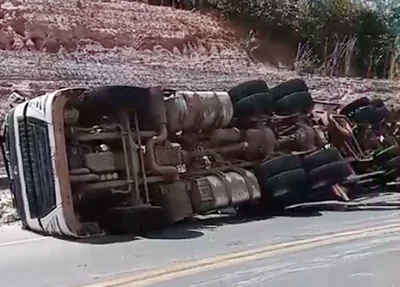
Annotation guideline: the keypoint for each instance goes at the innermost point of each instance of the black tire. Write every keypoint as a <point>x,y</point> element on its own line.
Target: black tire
<point>289,87</point>
<point>333,173</point>
<point>377,102</point>
<point>299,102</point>
<point>246,89</point>
<point>355,105</point>
<point>370,114</point>
<point>364,115</point>
<point>381,113</point>
<point>320,158</point>
<point>280,164</point>
<point>287,185</point>
<point>260,103</point>
<point>384,155</point>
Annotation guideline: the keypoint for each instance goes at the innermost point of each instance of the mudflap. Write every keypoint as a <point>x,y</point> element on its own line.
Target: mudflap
<point>134,219</point>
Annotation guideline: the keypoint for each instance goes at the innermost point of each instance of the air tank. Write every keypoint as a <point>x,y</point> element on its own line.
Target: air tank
<point>192,111</point>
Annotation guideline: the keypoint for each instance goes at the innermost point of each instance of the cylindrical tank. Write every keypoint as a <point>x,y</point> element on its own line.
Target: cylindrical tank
<point>219,190</point>
<point>191,111</point>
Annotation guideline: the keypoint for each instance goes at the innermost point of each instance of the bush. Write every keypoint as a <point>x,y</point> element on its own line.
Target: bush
<point>322,25</point>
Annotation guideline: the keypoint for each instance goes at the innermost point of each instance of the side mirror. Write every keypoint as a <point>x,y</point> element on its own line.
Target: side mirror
<point>16,98</point>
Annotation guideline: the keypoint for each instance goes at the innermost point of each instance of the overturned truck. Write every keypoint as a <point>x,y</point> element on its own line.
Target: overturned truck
<point>119,159</point>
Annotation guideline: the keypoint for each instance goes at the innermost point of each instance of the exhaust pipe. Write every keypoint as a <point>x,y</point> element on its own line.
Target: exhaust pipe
<point>159,116</point>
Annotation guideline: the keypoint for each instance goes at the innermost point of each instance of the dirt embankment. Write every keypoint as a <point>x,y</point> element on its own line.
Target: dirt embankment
<point>48,44</point>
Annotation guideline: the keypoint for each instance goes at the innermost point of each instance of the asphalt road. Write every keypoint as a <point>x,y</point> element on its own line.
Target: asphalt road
<point>31,260</point>
<point>367,262</point>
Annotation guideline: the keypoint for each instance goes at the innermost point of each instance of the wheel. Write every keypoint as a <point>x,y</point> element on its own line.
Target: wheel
<point>246,89</point>
<point>287,186</point>
<point>260,103</point>
<point>320,158</point>
<point>332,173</point>
<point>280,164</point>
<point>354,105</point>
<point>377,102</point>
<point>363,115</point>
<point>384,155</point>
<point>289,87</point>
<point>380,114</point>
<point>370,114</point>
<point>299,102</point>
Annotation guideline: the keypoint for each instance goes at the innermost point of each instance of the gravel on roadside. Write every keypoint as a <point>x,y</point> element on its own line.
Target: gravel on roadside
<point>8,213</point>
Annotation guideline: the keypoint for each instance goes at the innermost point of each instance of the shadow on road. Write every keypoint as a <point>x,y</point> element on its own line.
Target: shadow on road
<point>193,227</point>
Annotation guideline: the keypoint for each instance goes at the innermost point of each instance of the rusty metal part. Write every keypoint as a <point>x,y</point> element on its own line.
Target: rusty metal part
<point>191,111</point>
<point>100,162</point>
<point>261,142</point>
<point>202,172</point>
<point>305,137</point>
<point>71,116</point>
<point>340,192</point>
<point>85,137</point>
<point>126,159</point>
<point>141,158</point>
<point>341,135</point>
<point>168,154</point>
<point>157,106</point>
<point>79,171</point>
<point>224,150</point>
<point>326,106</point>
<point>174,199</point>
<point>84,178</point>
<point>61,161</point>
<point>220,136</point>
<point>158,112</point>
<point>133,156</point>
<point>218,189</point>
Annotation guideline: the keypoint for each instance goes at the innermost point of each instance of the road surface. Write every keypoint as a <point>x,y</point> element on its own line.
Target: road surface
<point>32,260</point>
<point>369,263</point>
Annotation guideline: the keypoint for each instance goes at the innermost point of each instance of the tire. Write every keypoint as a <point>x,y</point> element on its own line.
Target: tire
<point>370,114</point>
<point>363,115</point>
<point>246,89</point>
<point>354,105</point>
<point>287,185</point>
<point>320,158</point>
<point>260,103</point>
<point>333,173</point>
<point>381,113</point>
<point>299,102</point>
<point>288,87</point>
<point>384,155</point>
<point>377,102</point>
<point>280,164</point>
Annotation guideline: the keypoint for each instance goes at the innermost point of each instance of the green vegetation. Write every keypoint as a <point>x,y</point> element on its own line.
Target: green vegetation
<point>335,34</point>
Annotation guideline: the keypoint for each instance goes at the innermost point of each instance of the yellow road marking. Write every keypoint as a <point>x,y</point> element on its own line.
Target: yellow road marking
<point>198,266</point>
